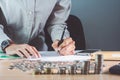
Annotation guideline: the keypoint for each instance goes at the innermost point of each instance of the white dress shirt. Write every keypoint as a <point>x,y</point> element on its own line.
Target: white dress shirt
<point>26,20</point>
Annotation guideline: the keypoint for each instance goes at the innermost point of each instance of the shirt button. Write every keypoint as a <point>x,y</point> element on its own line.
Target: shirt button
<point>30,13</point>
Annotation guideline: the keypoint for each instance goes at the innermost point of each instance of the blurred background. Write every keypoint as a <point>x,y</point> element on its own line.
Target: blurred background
<point>101,22</point>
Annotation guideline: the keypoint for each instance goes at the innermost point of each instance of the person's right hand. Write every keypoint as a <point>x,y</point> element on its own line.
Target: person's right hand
<point>67,47</point>
<point>22,50</point>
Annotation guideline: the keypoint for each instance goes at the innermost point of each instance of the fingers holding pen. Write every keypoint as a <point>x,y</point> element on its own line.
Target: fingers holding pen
<point>65,42</point>
<point>67,47</point>
<point>55,45</point>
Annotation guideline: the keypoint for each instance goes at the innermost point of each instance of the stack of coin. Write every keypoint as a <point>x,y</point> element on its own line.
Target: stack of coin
<point>98,63</point>
<point>48,70</point>
<point>62,70</point>
<point>86,67</point>
<point>73,69</point>
<point>36,72</point>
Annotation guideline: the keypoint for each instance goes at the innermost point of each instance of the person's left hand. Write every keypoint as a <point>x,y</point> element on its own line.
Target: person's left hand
<point>66,48</point>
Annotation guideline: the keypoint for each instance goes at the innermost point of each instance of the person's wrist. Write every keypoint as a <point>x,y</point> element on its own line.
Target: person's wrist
<point>5,44</point>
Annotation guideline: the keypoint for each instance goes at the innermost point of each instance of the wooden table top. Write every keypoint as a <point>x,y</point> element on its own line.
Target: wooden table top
<point>15,74</point>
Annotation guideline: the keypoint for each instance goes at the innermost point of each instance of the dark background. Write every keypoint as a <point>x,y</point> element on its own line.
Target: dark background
<point>101,22</point>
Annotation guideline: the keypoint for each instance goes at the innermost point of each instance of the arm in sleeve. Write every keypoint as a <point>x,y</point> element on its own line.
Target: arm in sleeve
<point>3,36</point>
<point>3,23</point>
<point>56,22</point>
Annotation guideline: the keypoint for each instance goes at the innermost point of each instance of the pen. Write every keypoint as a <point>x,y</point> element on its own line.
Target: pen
<point>61,40</point>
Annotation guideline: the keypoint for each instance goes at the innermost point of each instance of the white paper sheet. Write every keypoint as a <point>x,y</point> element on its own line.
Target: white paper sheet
<point>53,56</point>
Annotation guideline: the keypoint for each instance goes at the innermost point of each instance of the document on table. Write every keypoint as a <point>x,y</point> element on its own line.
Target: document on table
<point>52,56</point>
